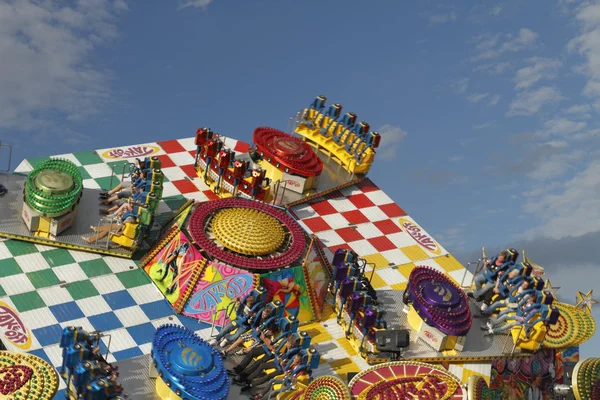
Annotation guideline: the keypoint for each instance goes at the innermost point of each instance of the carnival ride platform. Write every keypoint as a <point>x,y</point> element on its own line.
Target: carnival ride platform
<point>12,225</point>
<point>477,346</point>
<point>134,376</point>
<point>50,288</point>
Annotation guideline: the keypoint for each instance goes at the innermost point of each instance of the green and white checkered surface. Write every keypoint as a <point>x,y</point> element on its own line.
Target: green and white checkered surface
<point>52,288</point>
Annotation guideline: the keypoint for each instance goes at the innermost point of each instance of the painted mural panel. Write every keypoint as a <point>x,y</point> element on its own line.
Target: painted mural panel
<point>218,286</point>
<point>318,275</point>
<point>532,378</point>
<point>289,286</point>
<point>175,269</point>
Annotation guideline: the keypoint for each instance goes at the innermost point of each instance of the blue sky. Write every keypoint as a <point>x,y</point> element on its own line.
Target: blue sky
<point>489,116</point>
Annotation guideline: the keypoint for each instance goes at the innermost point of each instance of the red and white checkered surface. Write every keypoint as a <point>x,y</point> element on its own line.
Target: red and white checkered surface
<point>363,218</point>
<point>177,158</point>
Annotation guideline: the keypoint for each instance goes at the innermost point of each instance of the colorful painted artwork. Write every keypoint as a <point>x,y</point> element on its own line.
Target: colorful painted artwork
<point>522,379</point>
<point>565,359</point>
<point>175,269</point>
<point>179,219</point>
<point>289,286</point>
<point>318,275</point>
<point>219,285</point>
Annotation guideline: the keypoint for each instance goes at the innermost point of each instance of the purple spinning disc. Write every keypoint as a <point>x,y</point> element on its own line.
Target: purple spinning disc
<point>440,294</point>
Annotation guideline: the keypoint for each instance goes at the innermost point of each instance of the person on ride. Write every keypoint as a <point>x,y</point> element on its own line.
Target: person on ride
<point>266,335</point>
<point>100,232</point>
<point>499,324</point>
<point>109,197</point>
<point>247,319</point>
<point>248,376</point>
<point>481,283</point>
<point>505,295</point>
<point>505,285</point>
<point>290,375</point>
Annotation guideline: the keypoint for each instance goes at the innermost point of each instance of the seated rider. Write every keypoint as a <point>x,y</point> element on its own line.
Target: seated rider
<point>247,317</point>
<point>248,375</point>
<point>267,333</point>
<point>256,321</point>
<point>524,313</point>
<point>101,232</point>
<point>490,269</point>
<point>135,174</point>
<point>509,293</point>
<point>136,185</point>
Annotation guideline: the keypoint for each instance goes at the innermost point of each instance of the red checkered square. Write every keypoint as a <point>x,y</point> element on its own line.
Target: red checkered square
<point>323,208</point>
<point>165,161</point>
<point>211,195</point>
<point>241,147</point>
<point>333,249</point>
<point>192,153</point>
<point>171,146</point>
<point>184,186</point>
<point>361,201</point>
<point>349,234</point>
<point>355,217</point>
<point>387,226</point>
<point>392,210</point>
<point>366,186</point>
<point>316,224</point>
<point>189,170</point>
<point>382,243</point>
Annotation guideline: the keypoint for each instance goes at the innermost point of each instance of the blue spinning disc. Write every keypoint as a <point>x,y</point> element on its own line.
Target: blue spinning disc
<point>188,365</point>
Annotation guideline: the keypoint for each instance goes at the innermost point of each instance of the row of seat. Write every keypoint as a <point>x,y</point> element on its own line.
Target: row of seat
<point>90,375</point>
<point>286,326</point>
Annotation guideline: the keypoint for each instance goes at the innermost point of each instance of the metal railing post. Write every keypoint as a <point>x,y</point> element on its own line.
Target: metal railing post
<point>9,155</point>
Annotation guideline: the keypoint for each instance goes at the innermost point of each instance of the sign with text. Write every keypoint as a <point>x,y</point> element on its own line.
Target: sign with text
<point>124,153</point>
<point>420,236</point>
<point>13,328</point>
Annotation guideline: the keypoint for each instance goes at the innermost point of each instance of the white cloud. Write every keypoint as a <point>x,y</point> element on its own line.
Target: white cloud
<point>571,208</point>
<point>587,44</point>
<point>562,127</point>
<point>456,158</point>
<point>391,138</point>
<point>494,69</point>
<point>494,100</point>
<point>194,3</point>
<point>484,125</point>
<point>579,111</point>
<point>495,11</point>
<point>442,18</point>
<point>453,239</point>
<point>460,85</point>
<point>531,102</point>
<point>539,68</point>
<point>477,97</point>
<point>45,70</point>
<point>555,165</point>
<point>492,46</point>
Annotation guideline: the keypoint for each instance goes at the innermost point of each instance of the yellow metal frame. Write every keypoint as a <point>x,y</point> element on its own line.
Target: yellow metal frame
<point>337,151</point>
<point>69,246</point>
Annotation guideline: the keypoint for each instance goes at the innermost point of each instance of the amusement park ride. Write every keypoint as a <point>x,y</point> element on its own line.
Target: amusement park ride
<point>206,268</point>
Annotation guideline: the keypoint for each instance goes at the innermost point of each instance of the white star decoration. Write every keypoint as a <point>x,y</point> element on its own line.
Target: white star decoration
<point>586,300</point>
<point>549,288</point>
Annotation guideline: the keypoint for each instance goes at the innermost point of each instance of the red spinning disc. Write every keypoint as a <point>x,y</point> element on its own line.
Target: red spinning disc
<point>286,152</point>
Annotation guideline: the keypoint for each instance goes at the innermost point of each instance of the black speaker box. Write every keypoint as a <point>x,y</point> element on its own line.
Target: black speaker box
<point>392,340</point>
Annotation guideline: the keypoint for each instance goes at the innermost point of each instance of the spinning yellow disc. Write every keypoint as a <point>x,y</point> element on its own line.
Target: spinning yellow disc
<point>248,231</point>
<point>574,326</point>
<point>24,376</point>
